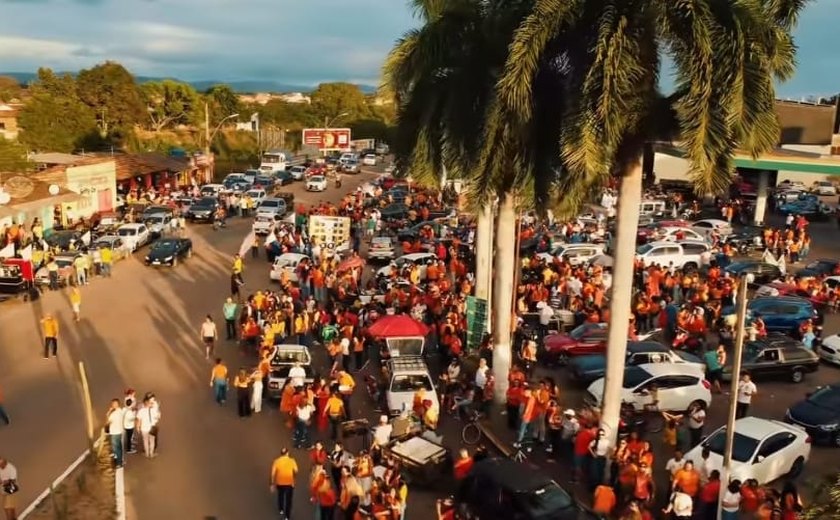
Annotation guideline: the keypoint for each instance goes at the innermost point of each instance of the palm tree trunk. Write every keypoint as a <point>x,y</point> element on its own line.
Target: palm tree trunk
<point>484,252</point>
<point>503,293</point>
<point>627,224</point>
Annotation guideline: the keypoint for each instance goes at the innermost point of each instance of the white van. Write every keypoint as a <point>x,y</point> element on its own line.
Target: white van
<point>652,207</point>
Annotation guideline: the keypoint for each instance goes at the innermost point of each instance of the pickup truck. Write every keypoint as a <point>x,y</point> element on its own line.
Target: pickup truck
<point>265,223</point>
<point>685,254</point>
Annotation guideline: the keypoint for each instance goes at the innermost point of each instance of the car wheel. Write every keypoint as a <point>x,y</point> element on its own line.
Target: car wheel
<point>797,375</point>
<point>797,467</point>
<point>690,266</point>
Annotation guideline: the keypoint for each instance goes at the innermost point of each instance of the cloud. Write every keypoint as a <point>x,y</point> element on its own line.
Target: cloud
<point>35,48</point>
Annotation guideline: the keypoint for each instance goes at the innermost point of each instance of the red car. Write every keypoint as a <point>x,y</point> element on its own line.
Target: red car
<point>589,338</point>
<point>646,233</point>
<point>315,169</point>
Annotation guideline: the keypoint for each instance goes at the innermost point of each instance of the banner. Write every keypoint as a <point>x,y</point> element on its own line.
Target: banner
<point>246,243</point>
<point>327,138</point>
<point>780,262</point>
<point>476,321</point>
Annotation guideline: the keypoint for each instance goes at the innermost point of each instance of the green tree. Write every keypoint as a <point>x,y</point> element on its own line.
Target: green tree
<point>171,103</point>
<point>223,102</point>
<point>826,502</point>
<point>55,119</point>
<point>726,57</point>
<point>113,95</point>
<point>12,157</point>
<point>286,115</point>
<point>330,100</point>
<point>9,88</point>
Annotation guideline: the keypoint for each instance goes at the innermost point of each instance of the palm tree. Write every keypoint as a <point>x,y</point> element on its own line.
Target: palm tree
<point>443,77</point>
<point>725,57</point>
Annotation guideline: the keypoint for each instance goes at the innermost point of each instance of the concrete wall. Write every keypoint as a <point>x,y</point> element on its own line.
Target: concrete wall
<point>97,183</point>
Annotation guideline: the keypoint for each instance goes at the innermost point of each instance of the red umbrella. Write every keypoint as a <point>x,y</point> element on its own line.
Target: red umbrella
<point>351,263</point>
<point>397,325</point>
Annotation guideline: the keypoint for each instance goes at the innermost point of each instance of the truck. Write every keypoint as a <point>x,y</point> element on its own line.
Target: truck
<point>274,161</point>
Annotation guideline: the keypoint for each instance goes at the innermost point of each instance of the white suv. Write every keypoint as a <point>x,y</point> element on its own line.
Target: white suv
<point>574,254</point>
<point>686,254</point>
<point>406,374</point>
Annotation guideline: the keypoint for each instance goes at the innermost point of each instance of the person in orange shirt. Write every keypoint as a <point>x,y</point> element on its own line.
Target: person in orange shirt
<point>463,465</point>
<point>688,479</point>
<point>219,381</point>
<point>529,415</point>
<point>282,479</point>
<point>603,501</point>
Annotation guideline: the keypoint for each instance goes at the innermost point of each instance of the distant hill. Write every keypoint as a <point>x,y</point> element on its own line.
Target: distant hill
<point>244,86</point>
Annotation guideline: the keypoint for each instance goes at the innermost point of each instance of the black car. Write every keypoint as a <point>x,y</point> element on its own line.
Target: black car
<point>168,251</point>
<point>819,414</point>
<point>821,267</point>
<point>776,357</point>
<point>64,239</point>
<point>746,240</point>
<point>503,489</point>
<point>283,178</point>
<point>763,272</point>
<point>202,210</point>
<point>267,182</point>
<point>394,212</point>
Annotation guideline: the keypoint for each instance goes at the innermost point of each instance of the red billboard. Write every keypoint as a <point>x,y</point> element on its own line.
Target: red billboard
<point>327,138</point>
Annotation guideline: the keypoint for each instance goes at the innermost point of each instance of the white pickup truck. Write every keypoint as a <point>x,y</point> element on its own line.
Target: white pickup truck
<point>685,254</point>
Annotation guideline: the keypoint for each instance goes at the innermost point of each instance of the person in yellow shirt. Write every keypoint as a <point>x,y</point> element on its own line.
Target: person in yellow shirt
<point>300,327</point>
<point>238,267</point>
<point>49,325</point>
<point>282,479</point>
<point>219,381</point>
<point>335,412</point>
<point>76,303</point>
<point>107,257</point>
<point>346,384</point>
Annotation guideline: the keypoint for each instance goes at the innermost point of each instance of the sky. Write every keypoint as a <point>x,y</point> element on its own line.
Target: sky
<point>299,42</point>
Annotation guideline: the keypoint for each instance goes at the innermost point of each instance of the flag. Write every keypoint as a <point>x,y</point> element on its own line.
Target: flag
<point>768,257</point>
<point>26,253</point>
<point>246,243</point>
<point>8,251</point>
<point>782,264</point>
<point>86,238</point>
<point>271,238</point>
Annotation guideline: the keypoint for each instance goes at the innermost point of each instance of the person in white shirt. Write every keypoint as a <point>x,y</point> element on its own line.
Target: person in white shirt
<point>675,463</point>
<point>208,335</point>
<point>297,375</point>
<point>147,418</point>
<point>303,414</point>
<point>696,421</point>
<point>256,391</point>
<point>129,422</point>
<point>8,488</point>
<point>705,467</point>
<point>680,504</point>
<point>746,391</point>
<point>481,374</point>
<point>345,354</point>
<point>115,420</point>
<point>382,433</point>
<point>731,502</point>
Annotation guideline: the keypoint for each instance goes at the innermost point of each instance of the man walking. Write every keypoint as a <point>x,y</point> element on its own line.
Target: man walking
<point>746,391</point>
<point>115,420</point>
<point>8,488</point>
<point>208,335</point>
<point>282,479</point>
<point>49,325</point>
<point>219,381</point>
<point>229,312</point>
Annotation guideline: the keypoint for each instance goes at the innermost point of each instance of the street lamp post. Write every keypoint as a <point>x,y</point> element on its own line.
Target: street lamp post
<point>740,332</point>
<point>329,122</point>
<point>208,136</point>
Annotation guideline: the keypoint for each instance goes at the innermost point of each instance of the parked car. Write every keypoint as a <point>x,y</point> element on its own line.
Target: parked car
<point>395,211</point>
<point>272,206</point>
<point>381,248</point>
<point>776,358</point>
<point>169,251</point>
<point>288,263</point>
<point>783,313</point>
<point>821,267</point>
<point>159,224</point>
<point>316,183</point>
<point>134,235</point>
<point>746,240</point>
<point>202,210</point>
<point>829,349</point>
<point>763,449</point>
<point>114,243</point>
<point>66,276</point>
<point>211,190</point>
<point>780,288</point>
<point>297,172</point>
<point>574,254</point>
<point>706,226</point>
<point>679,387</point>
<point>411,258</point>
<point>264,224</point>
<point>824,188</point>
<point>505,489</point>
<point>591,367</point>
<point>648,232</point>
<point>762,272</point>
<point>819,414</point>
<point>683,255</point>
<point>405,374</point>
<point>257,195</point>
<point>588,338</point>
<point>283,358</point>
<point>283,178</point>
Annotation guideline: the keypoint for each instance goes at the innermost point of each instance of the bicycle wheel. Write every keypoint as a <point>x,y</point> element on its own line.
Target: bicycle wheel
<point>471,434</point>
<point>654,423</point>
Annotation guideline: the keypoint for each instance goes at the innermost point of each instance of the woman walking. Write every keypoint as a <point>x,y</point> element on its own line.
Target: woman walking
<point>243,394</point>
<point>256,390</point>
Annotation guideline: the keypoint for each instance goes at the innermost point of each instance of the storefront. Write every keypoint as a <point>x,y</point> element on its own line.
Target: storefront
<point>93,179</point>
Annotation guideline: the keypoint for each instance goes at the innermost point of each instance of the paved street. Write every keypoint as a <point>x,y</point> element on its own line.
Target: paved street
<point>140,330</point>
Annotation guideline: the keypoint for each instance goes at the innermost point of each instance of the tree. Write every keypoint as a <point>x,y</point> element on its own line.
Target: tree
<point>12,157</point>
<point>726,57</point>
<point>170,103</point>
<point>287,115</point>
<point>55,119</point>
<point>113,95</point>
<point>826,502</point>
<point>223,102</point>
<point>9,89</point>
<point>330,100</point>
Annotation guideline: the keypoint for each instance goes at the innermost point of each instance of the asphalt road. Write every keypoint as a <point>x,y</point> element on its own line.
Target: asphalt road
<point>140,330</point>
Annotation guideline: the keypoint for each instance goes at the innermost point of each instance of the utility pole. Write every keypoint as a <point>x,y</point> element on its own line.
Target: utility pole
<point>207,139</point>
<point>740,332</point>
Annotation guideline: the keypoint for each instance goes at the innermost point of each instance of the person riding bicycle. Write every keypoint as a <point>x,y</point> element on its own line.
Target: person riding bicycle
<point>463,403</point>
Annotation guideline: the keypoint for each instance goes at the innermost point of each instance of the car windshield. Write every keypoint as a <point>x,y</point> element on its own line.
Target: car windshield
<point>743,447</point>
<point>643,249</point>
<point>826,397</point>
<point>287,357</point>
<point>64,261</point>
<point>163,245</point>
<point>317,178</point>
<point>127,232</point>
<point>544,502</point>
<point>752,350</point>
<point>269,204</point>
<point>205,203</point>
<point>634,376</point>
<point>410,382</point>
<point>155,220</point>
<point>581,331</point>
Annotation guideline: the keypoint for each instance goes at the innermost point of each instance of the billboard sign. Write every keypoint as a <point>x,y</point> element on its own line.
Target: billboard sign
<point>327,138</point>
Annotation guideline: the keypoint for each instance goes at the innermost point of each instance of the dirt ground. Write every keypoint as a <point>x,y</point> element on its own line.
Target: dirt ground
<point>86,494</point>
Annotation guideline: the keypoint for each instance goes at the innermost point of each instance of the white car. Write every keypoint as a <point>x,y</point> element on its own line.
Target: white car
<point>679,386</point>
<point>824,188</point>
<point>685,254</point>
<point>829,350</point>
<point>788,184</point>
<point>257,196</point>
<point>264,223</point>
<point>406,374</point>
<point>574,254</point>
<point>134,236</point>
<point>764,449</point>
<point>297,172</point>
<point>160,224</point>
<point>271,206</point>
<point>369,160</point>
<point>412,258</point>
<point>316,183</point>
<point>706,226</point>
<point>673,234</point>
<point>289,263</point>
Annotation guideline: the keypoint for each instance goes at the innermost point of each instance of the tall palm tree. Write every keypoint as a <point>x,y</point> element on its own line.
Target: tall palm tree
<point>725,55</point>
<point>443,77</point>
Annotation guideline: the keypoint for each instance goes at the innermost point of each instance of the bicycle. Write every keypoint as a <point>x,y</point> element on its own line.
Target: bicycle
<point>471,432</point>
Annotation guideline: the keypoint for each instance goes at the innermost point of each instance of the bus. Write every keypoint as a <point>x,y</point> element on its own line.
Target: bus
<point>273,162</point>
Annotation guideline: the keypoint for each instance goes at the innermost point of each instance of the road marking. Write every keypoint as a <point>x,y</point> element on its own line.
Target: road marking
<point>119,492</point>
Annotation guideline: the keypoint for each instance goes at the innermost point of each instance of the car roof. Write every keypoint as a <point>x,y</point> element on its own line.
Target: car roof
<point>510,474</point>
<point>759,428</point>
<point>762,300</point>
<point>131,225</point>
<point>716,221</point>
<point>289,347</point>
<point>662,243</point>
<point>296,256</point>
<point>417,256</point>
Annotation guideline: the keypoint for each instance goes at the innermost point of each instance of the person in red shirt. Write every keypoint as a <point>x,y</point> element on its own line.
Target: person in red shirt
<point>463,465</point>
<point>318,455</point>
<point>709,495</point>
<point>751,496</point>
<point>581,460</point>
<point>445,509</point>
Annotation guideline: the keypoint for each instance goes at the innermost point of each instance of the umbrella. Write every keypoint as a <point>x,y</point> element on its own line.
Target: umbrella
<point>603,260</point>
<point>351,263</point>
<point>397,325</point>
